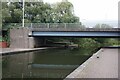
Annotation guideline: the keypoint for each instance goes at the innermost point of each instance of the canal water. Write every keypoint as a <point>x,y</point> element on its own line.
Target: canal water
<point>51,63</point>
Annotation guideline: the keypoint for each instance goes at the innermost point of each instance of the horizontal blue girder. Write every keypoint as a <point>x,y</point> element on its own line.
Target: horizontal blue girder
<point>77,34</point>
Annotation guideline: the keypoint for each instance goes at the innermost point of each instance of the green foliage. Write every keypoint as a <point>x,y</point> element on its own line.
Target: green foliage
<point>11,13</point>
<point>88,43</point>
<point>17,16</point>
<point>102,26</point>
<point>11,7</point>
<point>63,13</point>
<point>4,39</point>
<point>4,5</point>
<point>6,17</point>
<point>38,12</point>
<point>1,39</point>
<point>114,42</point>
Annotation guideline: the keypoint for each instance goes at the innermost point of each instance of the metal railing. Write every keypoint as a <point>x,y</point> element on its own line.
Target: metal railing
<point>58,27</point>
<point>54,25</point>
<point>65,27</point>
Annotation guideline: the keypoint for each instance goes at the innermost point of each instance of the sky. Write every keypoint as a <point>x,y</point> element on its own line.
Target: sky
<point>94,10</point>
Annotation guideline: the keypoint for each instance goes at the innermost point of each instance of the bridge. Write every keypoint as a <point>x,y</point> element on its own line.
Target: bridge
<point>34,34</point>
<point>70,30</point>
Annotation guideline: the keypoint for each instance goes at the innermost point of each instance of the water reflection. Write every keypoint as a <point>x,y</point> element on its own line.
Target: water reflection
<point>52,63</point>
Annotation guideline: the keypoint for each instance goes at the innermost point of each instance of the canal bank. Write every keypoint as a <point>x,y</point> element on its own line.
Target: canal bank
<point>103,64</point>
<point>6,51</point>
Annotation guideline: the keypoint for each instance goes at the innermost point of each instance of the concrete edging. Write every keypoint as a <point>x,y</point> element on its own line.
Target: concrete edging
<point>81,67</point>
<point>21,51</point>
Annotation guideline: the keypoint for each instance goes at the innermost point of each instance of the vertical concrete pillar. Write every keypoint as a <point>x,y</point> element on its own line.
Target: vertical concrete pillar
<point>31,42</point>
<point>19,38</point>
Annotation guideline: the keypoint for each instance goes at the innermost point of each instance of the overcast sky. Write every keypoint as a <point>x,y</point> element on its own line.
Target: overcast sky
<point>94,9</point>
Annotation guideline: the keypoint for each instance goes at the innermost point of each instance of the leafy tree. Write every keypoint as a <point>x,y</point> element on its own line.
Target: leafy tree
<point>88,43</point>
<point>11,13</point>
<point>38,12</point>
<point>102,26</point>
<point>103,41</point>
<point>63,13</point>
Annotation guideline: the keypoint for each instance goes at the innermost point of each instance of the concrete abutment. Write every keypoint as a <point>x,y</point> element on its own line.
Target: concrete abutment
<point>19,39</point>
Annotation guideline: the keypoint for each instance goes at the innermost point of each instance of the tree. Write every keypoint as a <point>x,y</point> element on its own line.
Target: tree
<point>103,41</point>
<point>88,43</point>
<point>38,12</point>
<point>63,13</point>
<point>102,26</point>
<point>6,16</point>
<point>11,13</point>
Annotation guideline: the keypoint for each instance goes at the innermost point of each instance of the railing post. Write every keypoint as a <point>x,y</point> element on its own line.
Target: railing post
<point>48,25</point>
<point>31,25</point>
<point>65,25</point>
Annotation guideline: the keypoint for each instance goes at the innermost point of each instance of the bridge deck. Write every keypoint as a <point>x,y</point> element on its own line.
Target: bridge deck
<point>75,34</point>
<point>71,30</point>
<point>76,29</point>
<point>106,66</point>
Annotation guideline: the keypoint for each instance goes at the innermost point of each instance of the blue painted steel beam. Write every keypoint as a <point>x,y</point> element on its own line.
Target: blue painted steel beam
<point>77,34</point>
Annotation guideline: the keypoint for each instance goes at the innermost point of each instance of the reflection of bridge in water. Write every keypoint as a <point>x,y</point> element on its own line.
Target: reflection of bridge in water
<point>70,30</point>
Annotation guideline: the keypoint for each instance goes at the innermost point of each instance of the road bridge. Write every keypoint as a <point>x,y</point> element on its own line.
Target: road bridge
<point>33,34</point>
<point>70,30</point>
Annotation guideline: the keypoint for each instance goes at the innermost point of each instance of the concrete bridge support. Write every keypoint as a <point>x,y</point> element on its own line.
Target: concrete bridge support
<point>19,38</point>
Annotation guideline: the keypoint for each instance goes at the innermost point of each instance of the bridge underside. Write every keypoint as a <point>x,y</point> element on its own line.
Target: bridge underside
<point>75,34</point>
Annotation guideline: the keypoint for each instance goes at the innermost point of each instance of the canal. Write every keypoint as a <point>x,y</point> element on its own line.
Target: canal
<point>50,63</point>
